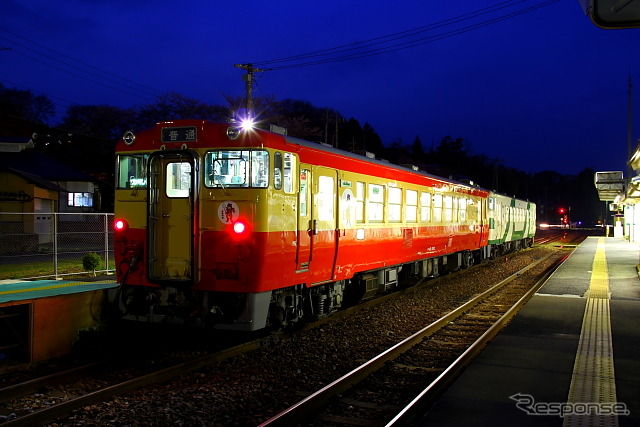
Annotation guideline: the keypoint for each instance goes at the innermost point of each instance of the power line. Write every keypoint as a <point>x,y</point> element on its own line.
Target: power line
<point>332,54</point>
<point>92,80</point>
<point>395,36</point>
<point>66,63</point>
<point>66,101</point>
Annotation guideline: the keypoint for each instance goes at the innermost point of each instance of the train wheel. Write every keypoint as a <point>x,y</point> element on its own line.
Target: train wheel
<point>354,292</point>
<point>276,317</point>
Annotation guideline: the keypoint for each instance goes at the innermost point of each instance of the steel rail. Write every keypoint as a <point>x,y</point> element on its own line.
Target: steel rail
<point>22,389</point>
<point>64,408</point>
<point>315,401</point>
<point>427,397</point>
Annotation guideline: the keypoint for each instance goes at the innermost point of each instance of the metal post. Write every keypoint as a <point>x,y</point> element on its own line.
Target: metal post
<point>106,242</point>
<point>55,245</point>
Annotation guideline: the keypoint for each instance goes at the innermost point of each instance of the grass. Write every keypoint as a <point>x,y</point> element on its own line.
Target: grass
<point>39,269</point>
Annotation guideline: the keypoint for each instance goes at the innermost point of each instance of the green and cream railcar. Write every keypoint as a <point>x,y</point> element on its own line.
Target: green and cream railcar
<point>512,224</point>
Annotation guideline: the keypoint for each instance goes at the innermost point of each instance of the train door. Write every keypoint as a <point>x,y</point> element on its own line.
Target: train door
<point>303,256</point>
<point>170,216</point>
<point>323,226</point>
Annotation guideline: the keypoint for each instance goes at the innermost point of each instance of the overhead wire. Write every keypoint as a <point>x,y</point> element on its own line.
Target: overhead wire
<point>66,101</point>
<point>70,65</point>
<point>395,36</point>
<point>332,54</point>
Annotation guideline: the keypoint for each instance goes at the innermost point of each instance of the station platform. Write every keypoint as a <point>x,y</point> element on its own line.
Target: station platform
<point>570,357</point>
<point>18,290</point>
<point>42,319</point>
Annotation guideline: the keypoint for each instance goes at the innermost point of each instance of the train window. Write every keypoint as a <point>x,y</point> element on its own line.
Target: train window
<point>425,207</point>
<point>277,171</point>
<point>326,198</point>
<point>448,209</point>
<point>437,208</point>
<point>233,168</point>
<point>359,202</point>
<point>289,171</point>
<point>395,204</point>
<point>411,209</point>
<point>132,171</point>
<point>178,179</point>
<point>456,216</point>
<point>304,176</point>
<point>375,203</point>
<point>462,209</point>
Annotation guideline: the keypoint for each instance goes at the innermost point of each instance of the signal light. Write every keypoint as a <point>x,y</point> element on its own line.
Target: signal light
<point>120,224</point>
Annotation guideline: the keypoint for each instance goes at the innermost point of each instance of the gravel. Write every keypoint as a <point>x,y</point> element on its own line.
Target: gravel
<point>249,389</point>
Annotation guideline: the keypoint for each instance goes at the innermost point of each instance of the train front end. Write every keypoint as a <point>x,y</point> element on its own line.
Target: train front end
<point>188,240</point>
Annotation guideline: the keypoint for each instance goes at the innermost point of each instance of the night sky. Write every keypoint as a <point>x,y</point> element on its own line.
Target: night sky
<point>532,83</point>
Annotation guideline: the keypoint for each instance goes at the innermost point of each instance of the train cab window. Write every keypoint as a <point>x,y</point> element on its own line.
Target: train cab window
<point>178,179</point>
<point>132,171</point>
<point>375,203</point>
<point>360,202</point>
<point>425,207</point>
<point>395,204</point>
<point>411,208</point>
<point>233,168</point>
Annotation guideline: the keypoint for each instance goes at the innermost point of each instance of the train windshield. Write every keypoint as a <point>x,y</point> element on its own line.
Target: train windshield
<point>132,170</point>
<point>237,168</point>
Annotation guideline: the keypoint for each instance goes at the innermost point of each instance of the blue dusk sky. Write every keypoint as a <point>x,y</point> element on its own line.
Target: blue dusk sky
<point>532,83</point>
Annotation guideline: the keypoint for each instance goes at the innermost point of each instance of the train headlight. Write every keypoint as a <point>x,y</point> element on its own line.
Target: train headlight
<point>247,124</point>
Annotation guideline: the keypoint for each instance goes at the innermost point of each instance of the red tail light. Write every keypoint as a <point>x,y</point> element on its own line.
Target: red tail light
<point>239,227</point>
<point>120,225</point>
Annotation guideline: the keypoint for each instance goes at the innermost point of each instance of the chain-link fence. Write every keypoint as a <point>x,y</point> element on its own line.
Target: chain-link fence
<point>54,245</point>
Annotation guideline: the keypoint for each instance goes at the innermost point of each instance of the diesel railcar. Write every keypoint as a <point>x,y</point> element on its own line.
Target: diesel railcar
<point>242,228</point>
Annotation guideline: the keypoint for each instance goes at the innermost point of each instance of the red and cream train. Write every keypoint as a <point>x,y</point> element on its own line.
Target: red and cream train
<point>244,228</point>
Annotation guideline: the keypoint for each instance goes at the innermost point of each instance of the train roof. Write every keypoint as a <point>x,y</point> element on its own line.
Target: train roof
<point>319,153</point>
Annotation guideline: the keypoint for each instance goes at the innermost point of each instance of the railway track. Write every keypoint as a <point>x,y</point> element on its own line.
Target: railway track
<point>65,407</point>
<point>377,392</point>
<point>53,409</point>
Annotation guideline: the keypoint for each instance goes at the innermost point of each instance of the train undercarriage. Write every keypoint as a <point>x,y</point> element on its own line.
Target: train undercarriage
<point>285,307</point>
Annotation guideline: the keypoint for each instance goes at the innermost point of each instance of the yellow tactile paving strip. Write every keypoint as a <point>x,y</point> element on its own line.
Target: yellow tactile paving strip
<point>593,380</point>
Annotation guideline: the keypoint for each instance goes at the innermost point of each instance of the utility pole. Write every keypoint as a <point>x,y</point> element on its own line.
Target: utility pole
<point>248,78</point>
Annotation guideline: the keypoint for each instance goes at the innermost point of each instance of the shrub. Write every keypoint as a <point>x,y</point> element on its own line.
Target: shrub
<point>91,261</point>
